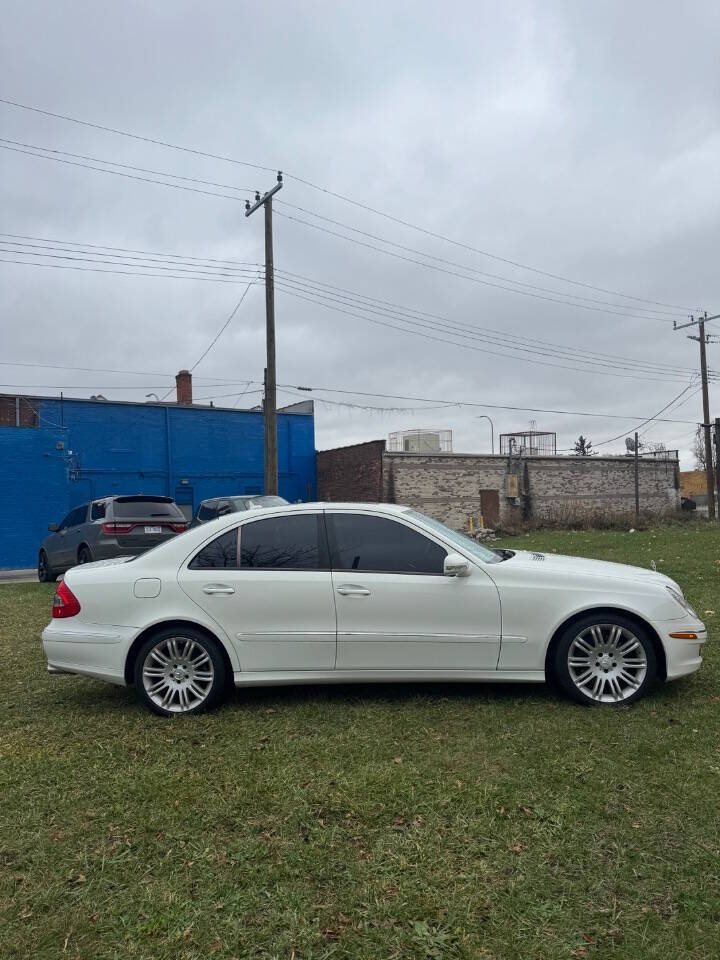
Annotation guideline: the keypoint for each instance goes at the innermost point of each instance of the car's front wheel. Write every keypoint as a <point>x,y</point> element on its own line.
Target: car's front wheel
<point>180,671</point>
<point>605,660</point>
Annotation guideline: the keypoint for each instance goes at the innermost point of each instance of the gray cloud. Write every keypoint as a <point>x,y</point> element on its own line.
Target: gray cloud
<point>582,140</point>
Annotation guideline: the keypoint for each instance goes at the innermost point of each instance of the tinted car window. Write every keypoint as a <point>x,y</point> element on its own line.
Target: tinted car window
<point>144,509</point>
<point>206,512</point>
<point>288,543</point>
<point>224,507</point>
<point>76,517</point>
<point>98,511</point>
<point>378,544</point>
<point>243,503</point>
<point>220,553</point>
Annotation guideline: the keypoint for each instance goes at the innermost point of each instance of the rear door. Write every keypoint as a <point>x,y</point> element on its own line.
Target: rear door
<point>71,535</point>
<point>267,583</point>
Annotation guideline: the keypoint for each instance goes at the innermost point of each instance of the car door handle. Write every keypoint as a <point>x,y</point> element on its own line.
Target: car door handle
<point>352,590</point>
<point>217,588</point>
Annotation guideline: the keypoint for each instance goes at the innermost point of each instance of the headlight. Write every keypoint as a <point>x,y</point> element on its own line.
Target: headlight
<point>680,599</point>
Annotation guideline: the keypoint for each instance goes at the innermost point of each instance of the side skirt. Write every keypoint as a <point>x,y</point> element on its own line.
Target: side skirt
<point>283,678</point>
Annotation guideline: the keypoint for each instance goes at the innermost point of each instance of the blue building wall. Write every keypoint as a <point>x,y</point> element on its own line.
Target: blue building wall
<point>81,450</point>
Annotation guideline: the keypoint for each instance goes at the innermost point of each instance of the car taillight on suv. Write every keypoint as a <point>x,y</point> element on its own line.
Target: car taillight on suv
<point>111,529</point>
<point>65,604</point>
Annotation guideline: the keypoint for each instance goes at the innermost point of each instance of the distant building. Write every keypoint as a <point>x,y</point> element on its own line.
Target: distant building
<point>501,489</point>
<point>58,453</point>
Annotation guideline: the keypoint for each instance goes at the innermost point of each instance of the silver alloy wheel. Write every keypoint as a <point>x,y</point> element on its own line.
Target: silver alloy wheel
<point>607,662</point>
<point>178,674</point>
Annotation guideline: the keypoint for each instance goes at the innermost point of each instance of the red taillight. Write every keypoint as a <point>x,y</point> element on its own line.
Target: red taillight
<point>65,604</point>
<point>178,527</point>
<point>112,528</point>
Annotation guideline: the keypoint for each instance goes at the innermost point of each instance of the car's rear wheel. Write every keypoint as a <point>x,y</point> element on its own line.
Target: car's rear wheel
<point>180,671</point>
<point>46,574</point>
<point>605,660</point>
<point>84,555</point>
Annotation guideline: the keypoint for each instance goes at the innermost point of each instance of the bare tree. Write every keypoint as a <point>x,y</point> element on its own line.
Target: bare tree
<point>698,449</point>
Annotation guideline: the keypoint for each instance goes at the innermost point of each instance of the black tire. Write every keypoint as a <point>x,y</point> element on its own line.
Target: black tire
<point>193,646</point>
<point>84,555</point>
<point>623,666</point>
<point>46,574</point>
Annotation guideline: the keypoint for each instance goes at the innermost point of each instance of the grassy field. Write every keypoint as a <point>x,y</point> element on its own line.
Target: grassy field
<point>376,822</point>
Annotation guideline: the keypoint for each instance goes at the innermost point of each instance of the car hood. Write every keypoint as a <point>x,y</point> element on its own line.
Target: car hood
<point>580,566</point>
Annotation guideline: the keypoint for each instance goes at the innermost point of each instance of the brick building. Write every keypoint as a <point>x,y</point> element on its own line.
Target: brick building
<point>494,489</point>
<point>56,453</point>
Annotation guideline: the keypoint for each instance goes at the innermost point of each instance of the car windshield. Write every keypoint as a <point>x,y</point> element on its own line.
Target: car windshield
<point>465,543</point>
<point>260,502</point>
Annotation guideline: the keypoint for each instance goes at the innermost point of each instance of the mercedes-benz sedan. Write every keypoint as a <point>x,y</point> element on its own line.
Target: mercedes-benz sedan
<point>335,593</point>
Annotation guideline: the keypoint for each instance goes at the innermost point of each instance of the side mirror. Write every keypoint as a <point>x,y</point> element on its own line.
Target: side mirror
<point>53,528</point>
<point>456,566</point>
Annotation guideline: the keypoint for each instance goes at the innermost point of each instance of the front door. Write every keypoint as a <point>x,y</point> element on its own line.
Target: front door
<point>395,608</point>
<point>267,583</point>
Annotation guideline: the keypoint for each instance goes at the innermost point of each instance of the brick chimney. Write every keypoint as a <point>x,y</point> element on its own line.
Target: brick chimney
<point>183,381</point>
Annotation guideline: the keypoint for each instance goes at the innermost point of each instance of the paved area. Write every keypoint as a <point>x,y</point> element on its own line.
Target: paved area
<point>18,576</point>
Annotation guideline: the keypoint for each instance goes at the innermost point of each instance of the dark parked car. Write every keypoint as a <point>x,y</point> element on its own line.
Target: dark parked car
<point>110,527</point>
<point>219,506</point>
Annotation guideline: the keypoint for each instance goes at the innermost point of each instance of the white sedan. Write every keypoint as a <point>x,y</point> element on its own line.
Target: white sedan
<point>334,593</point>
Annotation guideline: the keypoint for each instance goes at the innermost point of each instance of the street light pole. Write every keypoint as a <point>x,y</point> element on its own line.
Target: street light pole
<point>484,416</point>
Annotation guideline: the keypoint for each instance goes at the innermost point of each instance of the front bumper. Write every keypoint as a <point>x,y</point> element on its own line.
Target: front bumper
<point>682,654</point>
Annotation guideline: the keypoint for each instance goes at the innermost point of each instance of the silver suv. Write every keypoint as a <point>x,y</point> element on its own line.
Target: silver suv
<point>219,506</point>
<point>111,527</point>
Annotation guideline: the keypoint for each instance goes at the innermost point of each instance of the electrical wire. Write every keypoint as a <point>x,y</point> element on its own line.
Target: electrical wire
<point>438,339</point>
<point>464,266</point>
<point>125,273</point>
<point>223,328</point>
<point>346,199</point>
<point>119,173</point>
<point>454,273</point>
<point>474,332</point>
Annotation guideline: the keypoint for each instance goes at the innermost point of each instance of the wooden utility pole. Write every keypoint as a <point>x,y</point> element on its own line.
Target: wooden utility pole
<point>637,479</point>
<point>717,459</point>
<point>703,340</point>
<point>270,397</point>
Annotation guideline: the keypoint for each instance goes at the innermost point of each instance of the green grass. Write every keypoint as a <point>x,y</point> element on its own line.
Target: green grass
<point>366,822</point>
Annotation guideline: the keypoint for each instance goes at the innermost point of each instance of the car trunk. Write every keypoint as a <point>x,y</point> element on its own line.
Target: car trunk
<point>140,523</point>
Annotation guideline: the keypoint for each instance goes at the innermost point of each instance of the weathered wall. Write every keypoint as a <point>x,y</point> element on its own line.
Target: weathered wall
<point>67,452</point>
<point>351,473</point>
<point>449,486</point>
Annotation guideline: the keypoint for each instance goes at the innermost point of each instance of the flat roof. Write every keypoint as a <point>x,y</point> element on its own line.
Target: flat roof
<point>293,409</point>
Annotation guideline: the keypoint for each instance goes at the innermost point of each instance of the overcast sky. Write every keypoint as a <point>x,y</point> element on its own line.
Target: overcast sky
<point>582,140</point>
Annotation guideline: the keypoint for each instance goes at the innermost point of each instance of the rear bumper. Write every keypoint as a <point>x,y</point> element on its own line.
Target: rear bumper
<point>92,650</point>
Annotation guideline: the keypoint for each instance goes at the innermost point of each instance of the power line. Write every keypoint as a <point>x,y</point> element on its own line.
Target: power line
<point>98,246</point>
<point>119,173</point>
<point>487,406</point>
<point>135,136</point>
<point>345,199</point>
<point>429,336</point>
<point>463,266</point>
<point>125,273</point>
<point>474,332</point>
<point>648,420</point>
<point>223,328</point>
<point>124,166</point>
<point>33,250</point>
<point>299,281</point>
<point>454,273</point>
<point>502,334</point>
